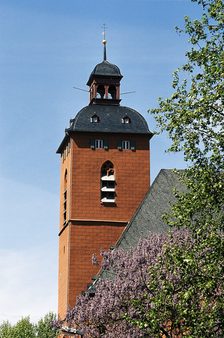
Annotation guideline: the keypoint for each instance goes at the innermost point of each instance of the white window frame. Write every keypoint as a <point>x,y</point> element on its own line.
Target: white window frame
<point>126,144</point>
<point>99,144</point>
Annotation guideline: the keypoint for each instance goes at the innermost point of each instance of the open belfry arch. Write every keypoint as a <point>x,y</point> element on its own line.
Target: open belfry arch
<point>105,174</point>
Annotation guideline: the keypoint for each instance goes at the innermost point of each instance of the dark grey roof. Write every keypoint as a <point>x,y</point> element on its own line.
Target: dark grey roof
<point>105,68</point>
<point>110,120</point>
<point>148,217</point>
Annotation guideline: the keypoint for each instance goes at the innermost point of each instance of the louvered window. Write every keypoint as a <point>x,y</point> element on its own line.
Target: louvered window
<point>108,183</point>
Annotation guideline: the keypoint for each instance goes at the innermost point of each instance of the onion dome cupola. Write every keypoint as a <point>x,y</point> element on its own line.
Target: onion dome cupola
<point>104,82</point>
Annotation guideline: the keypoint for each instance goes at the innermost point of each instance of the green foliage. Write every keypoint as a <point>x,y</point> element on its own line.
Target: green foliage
<point>186,285</point>
<point>194,116</point>
<point>185,291</point>
<point>44,326</point>
<point>25,329</point>
<point>6,330</point>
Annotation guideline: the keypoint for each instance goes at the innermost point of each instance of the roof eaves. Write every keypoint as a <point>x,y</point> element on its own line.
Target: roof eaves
<point>97,76</point>
<point>64,141</point>
<point>69,130</point>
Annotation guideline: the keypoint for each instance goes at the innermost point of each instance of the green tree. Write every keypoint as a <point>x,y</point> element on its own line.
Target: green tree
<point>186,285</point>
<point>6,330</point>
<point>194,115</point>
<point>44,326</point>
<point>24,328</point>
<point>194,118</point>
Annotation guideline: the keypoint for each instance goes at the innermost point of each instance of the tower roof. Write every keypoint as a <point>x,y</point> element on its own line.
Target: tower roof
<point>104,113</point>
<point>106,69</point>
<point>110,120</point>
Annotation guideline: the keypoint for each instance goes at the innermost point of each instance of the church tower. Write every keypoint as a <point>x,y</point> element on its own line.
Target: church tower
<point>104,178</point>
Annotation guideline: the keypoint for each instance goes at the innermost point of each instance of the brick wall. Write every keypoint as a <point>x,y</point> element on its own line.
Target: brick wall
<point>63,273</point>
<point>93,226</point>
<point>131,172</point>
<point>86,240</point>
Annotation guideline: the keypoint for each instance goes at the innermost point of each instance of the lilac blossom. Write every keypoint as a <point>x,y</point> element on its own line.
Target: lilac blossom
<point>127,278</point>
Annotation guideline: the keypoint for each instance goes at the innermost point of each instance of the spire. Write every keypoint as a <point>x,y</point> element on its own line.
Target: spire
<point>104,43</point>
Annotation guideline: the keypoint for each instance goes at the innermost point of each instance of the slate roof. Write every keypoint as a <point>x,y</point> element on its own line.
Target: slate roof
<point>110,120</point>
<point>106,69</point>
<point>148,216</point>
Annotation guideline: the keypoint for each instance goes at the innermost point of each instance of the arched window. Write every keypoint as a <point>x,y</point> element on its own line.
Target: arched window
<point>112,92</point>
<point>108,183</point>
<point>126,119</point>
<point>100,91</point>
<point>65,179</point>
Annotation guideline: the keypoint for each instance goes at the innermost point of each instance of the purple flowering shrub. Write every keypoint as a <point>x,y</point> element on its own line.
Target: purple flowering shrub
<point>124,299</point>
<point>165,287</point>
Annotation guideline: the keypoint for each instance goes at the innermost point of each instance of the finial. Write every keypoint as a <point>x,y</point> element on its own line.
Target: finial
<point>104,43</point>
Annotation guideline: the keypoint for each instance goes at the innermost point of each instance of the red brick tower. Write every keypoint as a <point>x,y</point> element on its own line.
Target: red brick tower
<point>104,177</point>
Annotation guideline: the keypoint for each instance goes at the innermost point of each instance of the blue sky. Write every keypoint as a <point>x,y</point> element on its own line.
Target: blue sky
<point>47,47</point>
